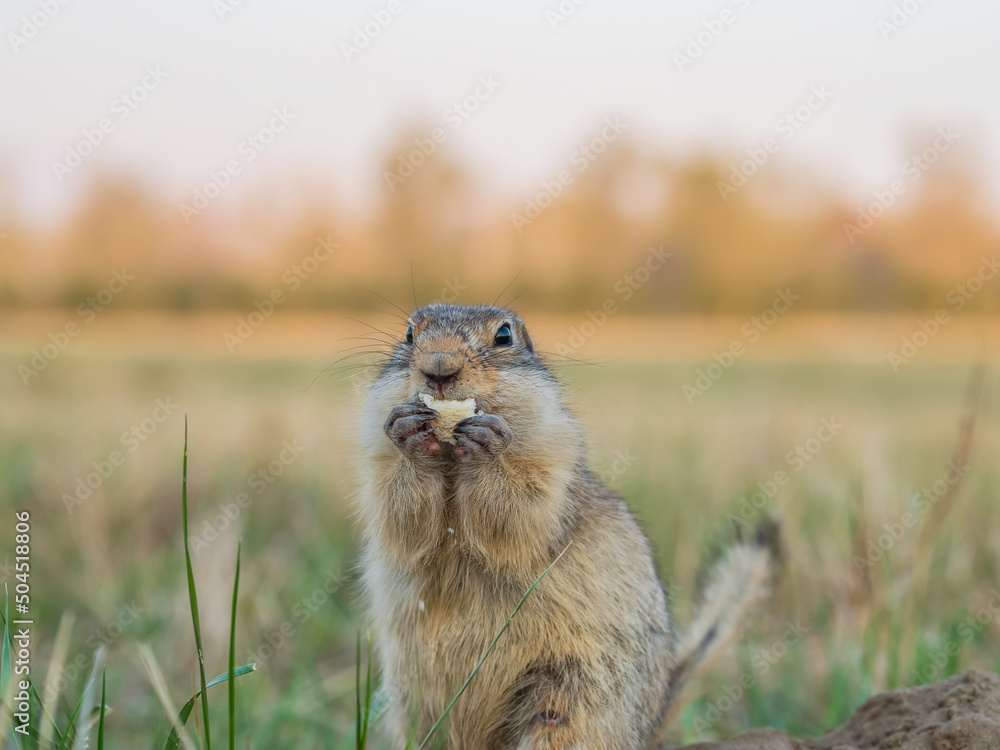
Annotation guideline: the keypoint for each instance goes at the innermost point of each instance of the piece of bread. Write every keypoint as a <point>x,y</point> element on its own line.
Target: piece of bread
<point>450,413</point>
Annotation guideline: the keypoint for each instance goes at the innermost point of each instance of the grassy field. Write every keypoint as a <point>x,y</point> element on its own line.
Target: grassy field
<point>881,590</point>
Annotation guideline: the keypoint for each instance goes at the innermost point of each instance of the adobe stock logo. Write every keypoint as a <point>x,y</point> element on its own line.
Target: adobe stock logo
<point>957,298</point>
<point>562,12</point>
<point>130,441</point>
<point>786,126</point>
<point>751,331</point>
<point>122,106</point>
<point>87,312</point>
<point>33,24</point>
<point>259,481</point>
<point>796,459</point>
<point>581,158</point>
<point>293,278</point>
<point>625,288</point>
<point>455,116</point>
<point>250,148</point>
<point>921,502</point>
<point>900,16</point>
<point>711,30</point>
<point>366,33</point>
<point>913,170</point>
<point>935,665</point>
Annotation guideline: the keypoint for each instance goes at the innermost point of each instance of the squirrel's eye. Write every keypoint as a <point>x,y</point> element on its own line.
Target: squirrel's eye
<point>504,337</point>
<point>409,335</point>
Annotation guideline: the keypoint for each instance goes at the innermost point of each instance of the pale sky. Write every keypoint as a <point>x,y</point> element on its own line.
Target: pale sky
<point>224,76</point>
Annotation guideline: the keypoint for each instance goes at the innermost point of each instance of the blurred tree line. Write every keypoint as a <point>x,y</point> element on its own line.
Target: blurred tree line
<point>569,241</point>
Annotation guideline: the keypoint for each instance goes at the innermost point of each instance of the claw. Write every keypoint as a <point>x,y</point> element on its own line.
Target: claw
<point>407,426</point>
<point>483,434</point>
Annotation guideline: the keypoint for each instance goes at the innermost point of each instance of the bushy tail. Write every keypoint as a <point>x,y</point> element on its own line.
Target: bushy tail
<point>740,581</point>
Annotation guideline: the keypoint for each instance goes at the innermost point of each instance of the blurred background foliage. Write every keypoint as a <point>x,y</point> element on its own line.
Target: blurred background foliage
<point>783,227</point>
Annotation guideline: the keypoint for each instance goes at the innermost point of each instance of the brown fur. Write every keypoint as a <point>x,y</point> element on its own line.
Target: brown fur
<point>455,536</point>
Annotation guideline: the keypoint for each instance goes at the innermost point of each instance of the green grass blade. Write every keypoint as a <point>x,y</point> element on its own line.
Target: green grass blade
<point>238,672</point>
<point>368,692</point>
<point>100,726</point>
<point>45,711</point>
<point>87,710</point>
<point>57,661</point>
<point>357,697</point>
<point>71,728</point>
<point>193,594</point>
<point>232,653</point>
<point>364,706</point>
<point>489,649</point>
<point>174,739</point>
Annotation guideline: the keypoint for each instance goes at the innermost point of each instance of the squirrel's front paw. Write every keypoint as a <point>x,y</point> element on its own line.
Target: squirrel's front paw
<point>481,436</point>
<point>408,426</point>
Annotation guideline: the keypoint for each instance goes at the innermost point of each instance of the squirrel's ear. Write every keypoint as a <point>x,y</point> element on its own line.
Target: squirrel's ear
<point>524,337</point>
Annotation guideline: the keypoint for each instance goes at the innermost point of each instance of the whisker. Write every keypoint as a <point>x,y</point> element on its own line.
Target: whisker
<point>406,315</point>
<point>593,363</point>
<point>379,359</point>
<point>365,353</point>
<point>529,380</point>
<point>405,321</point>
<point>379,330</point>
<point>413,284</point>
<point>516,298</point>
<point>343,379</point>
<point>373,339</point>
<point>352,369</point>
<point>376,355</point>
<point>504,290</point>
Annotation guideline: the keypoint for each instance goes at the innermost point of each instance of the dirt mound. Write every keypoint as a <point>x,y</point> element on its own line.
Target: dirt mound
<point>962,713</point>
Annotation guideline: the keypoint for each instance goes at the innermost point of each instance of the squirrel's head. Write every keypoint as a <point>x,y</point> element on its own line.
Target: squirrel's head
<point>481,352</point>
<point>455,352</point>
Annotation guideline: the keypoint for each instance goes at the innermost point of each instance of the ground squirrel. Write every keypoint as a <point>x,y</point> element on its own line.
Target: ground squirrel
<point>456,533</point>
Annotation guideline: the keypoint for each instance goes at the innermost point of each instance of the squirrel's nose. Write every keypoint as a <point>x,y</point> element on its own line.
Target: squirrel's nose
<point>441,372</point>
<point>441,381</point>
